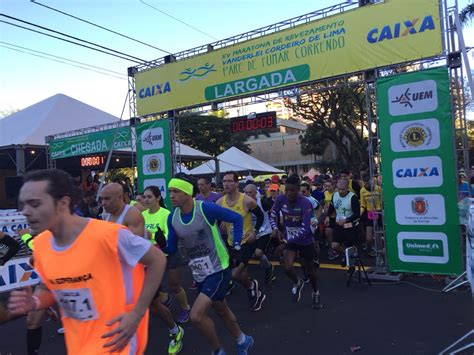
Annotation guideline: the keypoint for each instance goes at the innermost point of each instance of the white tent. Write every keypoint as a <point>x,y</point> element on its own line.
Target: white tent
<point>57,114</point>
<point>234,159</point>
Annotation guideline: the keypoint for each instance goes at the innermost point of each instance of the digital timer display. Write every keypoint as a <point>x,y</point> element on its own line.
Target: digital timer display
<point>253,123</point>
<point>93,161</point>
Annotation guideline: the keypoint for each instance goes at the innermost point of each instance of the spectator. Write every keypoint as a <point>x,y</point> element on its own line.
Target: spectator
<point>89,184</point>
<point>205,191</point>
<point>318,192</point>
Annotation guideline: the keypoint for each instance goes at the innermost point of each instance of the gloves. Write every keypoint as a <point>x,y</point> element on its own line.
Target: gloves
<point>160,238</point>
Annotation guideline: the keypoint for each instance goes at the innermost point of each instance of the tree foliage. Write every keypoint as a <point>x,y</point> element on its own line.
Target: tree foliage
<point>210,134</point>
<point>466,14</point>
<point>338,116</point>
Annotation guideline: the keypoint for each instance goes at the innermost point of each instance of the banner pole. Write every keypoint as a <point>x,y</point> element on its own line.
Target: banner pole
<point>109,156</point>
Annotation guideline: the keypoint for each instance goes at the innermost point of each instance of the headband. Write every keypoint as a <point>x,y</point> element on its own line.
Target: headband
<point>182,185</point>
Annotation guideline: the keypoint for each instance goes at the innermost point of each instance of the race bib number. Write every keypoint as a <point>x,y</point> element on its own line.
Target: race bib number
<point>77,304</point>
<point>201,267</point>
<point>292,232</point>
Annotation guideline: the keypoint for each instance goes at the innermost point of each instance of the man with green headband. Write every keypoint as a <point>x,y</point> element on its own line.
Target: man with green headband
<point>194,224</point>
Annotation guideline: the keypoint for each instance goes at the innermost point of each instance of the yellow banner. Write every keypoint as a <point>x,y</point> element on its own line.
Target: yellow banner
<point>371,36</point>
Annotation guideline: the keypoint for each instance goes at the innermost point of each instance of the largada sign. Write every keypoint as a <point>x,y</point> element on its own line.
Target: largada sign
<point>371,36</point>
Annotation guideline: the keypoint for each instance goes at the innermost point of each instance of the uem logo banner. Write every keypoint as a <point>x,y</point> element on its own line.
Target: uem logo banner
<point>418,173</point>
<point>394,31</point>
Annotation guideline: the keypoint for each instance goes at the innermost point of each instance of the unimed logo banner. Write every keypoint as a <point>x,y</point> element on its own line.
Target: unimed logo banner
<point>418,173</point>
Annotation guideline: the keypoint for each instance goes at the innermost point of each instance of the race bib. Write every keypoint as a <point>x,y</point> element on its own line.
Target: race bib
<point>292,232</point>
<point>77,304</point>
<point>201,267</point>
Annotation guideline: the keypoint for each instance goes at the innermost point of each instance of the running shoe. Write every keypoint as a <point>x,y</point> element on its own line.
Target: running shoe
<point>316,300</point>
<point>296,291</point>
<point>332,255</point>
<point>258,305</point>
<point>253,294</point>
<point>270,274</point>
<point>169,302</point>
<point>183,316</point>
<point>176,342</point>
<point>193,286</point>
<point>243,349</point>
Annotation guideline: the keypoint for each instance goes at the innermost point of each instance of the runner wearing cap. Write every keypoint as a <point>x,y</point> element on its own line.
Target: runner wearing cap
<point>194,224</point>
<point>86,267</point>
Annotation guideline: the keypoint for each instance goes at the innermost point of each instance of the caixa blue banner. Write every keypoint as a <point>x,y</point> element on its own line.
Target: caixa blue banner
<point>17,273</point>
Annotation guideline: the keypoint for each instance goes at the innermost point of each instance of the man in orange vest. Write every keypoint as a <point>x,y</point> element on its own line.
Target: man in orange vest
<point>86,267</point>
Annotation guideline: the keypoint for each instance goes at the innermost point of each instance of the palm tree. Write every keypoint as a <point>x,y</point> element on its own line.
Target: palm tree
<point>467,14</point>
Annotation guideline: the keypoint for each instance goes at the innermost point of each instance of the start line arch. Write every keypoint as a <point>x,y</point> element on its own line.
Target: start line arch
<point>337,46</point>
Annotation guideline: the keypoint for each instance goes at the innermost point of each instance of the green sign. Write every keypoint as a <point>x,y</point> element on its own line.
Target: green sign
<point>418,173</point>
<point>91,143</point>
<point>154,156</point>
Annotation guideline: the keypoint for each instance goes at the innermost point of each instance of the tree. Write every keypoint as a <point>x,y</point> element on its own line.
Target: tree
<point>210,134</point>
<point>337,116</point>
<point>466,14</point>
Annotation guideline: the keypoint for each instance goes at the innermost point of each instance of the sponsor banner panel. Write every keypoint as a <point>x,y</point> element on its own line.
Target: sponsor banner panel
<point>418,173</point>
<point>397,31</point>
<point>17,273</point>
<point>416,135</point>
<point>154,156</point>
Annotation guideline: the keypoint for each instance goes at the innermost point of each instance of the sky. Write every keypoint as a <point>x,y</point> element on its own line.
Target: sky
<point>26,79</point>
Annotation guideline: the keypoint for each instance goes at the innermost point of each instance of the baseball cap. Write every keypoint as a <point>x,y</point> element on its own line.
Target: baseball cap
<point>275,179</point>
<point>274,187</point>
<point>318,181</point>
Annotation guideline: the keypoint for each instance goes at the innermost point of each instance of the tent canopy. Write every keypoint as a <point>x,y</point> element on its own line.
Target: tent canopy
<point>234,159</point>
<point>57,114</point>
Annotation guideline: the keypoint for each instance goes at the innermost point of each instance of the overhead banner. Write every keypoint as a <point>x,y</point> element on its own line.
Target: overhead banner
<point>418,173</point>
<point>91,143</point>
<point>154,161</point>
<point>371,36</point>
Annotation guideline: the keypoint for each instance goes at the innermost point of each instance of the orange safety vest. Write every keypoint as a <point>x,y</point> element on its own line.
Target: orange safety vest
<point>87,282</point>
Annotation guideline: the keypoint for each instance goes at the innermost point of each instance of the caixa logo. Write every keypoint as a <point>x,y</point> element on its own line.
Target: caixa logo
<point>417,172</point>
<point>17,273</point>
<point>401,29</point>
<point>411,98</point>
<point>153,90</point>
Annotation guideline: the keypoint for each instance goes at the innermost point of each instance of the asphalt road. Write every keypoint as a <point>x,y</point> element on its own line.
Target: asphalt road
<point>386,318</point>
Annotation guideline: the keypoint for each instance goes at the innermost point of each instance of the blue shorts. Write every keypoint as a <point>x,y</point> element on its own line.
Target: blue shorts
<point>215,286</point>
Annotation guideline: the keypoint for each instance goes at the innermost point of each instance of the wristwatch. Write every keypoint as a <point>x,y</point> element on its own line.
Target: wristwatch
<point>237,247</point>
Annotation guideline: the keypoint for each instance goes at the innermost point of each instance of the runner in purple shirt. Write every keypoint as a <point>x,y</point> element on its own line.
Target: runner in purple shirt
<point>205,192</point>
<point>296,211</point>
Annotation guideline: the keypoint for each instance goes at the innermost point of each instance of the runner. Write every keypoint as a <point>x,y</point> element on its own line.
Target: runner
<point>194,224</point>
<point>156,217</point>
<point>121,213</point>
<point>297,210</point>
<point>243,205</point>
<point>84,265</point>
<point>263,235</point>
<point>205,191</point>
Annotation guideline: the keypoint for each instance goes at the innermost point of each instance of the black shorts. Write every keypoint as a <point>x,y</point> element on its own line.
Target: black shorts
<point>306,252</point>
<point>332,222</point>
<point>263,242</point>
<point>174,261</point>
<point>242,256</point>
<point>346,236</point>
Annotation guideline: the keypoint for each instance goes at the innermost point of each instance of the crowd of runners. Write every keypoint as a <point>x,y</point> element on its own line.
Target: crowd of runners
<point>105,276</point>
